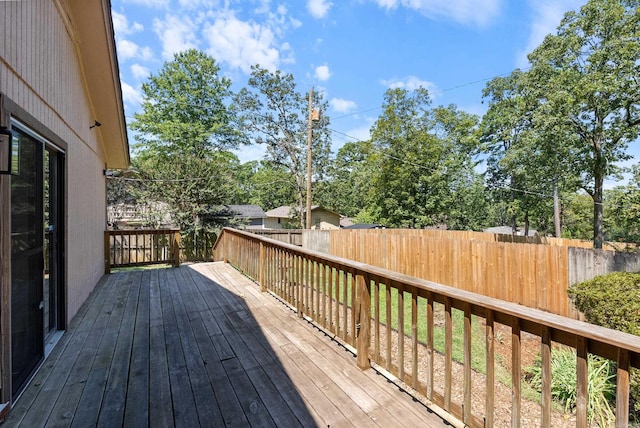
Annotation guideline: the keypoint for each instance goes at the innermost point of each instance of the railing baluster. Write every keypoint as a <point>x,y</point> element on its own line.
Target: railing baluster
<point>343,276</point>
<point>414,338</point>
<point>430,349</point>
<point>466,411</point>
<point>363,328</point>
<point>332,325</point>
<point>516,361</point>
<point>582,379</point>
<point>387,288</point>
<point>448,352</point>
<point>338,290</point>
<point>490,376</point>
<point>545,356</point>
<point>376,315</point>
<point>400,332</point>
<point>352,282</point>
<point>299,286</point>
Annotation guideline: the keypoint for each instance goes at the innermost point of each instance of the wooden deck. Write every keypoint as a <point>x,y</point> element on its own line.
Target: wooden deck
<point>202,346</point>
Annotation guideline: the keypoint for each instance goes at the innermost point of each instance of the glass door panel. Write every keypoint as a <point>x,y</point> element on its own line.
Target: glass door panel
<point>27,263</point>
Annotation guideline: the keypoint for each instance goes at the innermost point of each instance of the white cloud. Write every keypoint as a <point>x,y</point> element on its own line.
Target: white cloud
<point>127,50</point>
<point>469,12</point>
<point>322,73</point>
<point>130,95</point>
<point>199,4</point>
<point>547,17</point>
<point>140,72</point>
<point>341,105</point>
<point>242,44</point>
<point>319,8</point>
<point>295,23</point>
<point>157,4</point>
<point>176,34</point>
<point>411,83</point>
<point>121,25</point>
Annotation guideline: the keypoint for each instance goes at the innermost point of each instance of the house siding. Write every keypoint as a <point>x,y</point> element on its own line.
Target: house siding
<point>41,73</point>
<point>321,219</point>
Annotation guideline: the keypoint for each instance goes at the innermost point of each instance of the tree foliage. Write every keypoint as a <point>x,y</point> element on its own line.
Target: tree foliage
<point>185,109</point>
<point>183,132</point>
<point>275,114</point>
<point>421,163</point>
<point>586,79</point>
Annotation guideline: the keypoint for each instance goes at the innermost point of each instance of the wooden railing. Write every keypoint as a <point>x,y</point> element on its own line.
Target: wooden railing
<point>390,320</point>
<point>141,247</point>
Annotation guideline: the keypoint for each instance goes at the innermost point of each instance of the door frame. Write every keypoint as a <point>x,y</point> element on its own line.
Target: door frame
<point>10,112</point>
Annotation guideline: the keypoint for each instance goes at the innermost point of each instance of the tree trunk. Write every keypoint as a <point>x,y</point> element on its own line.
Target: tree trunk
<point>598,211</point>
<point>514,225</point>
<point>526,223</point>
<point>556,209</point>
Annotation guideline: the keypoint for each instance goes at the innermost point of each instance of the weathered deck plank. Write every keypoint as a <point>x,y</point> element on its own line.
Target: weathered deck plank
<point>201,346</point>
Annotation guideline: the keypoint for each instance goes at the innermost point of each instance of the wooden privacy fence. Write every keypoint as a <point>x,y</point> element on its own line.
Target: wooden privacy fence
<point>141,247</point>
<point>390,319</point>
<point>290,236</point>
<point>528,274</point>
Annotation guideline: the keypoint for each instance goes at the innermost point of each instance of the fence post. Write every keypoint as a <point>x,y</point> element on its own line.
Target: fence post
<point>263,266</point>
<point>107,252</point>
<point>176,249</point>
<point>363,317</point>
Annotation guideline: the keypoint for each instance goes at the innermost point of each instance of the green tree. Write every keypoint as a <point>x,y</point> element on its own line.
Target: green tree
<point>274,113</point>
<point>622,210</point>
<point>272,186</point>
<point>185,109</point>
<point>183,132</point>
<point>586,78</point>
<point>346,189</point>
<point>422,163</point>
<point>577,215</point>
<point>528,165</point>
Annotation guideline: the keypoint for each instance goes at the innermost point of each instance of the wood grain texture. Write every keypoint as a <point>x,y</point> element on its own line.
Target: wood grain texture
<point>200,345</point>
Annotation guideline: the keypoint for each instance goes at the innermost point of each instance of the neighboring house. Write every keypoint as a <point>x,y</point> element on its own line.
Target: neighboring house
<point>251,216</point>
<point>345,222</point>
<point>365,226</point>
<point>62,115</point>
<point>507,230</point>
<point>321,218</point>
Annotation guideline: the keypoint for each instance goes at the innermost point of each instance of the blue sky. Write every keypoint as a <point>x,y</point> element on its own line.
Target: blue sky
<point>351,50</point>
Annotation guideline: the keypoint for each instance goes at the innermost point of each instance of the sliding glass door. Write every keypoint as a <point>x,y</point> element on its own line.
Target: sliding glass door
<point>37,253</point>
<point>27,262</point>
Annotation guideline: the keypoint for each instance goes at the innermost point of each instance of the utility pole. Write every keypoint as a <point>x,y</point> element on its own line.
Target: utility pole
<point>309,141</point>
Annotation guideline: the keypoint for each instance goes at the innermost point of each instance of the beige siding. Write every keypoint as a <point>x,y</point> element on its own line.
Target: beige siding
<point>321,219</point>
<point>40,72</point>
<point>272,223</point>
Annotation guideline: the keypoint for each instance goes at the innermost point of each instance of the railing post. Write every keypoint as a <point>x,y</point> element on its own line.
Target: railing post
<point>363,308</point>
<point>263,266</point>
<point>622,389</point>
<point>107,252</point>
<point>176,249</point>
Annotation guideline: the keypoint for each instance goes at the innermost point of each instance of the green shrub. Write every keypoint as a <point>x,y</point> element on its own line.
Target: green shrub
<point>601,384</point>
<point>613,301</point>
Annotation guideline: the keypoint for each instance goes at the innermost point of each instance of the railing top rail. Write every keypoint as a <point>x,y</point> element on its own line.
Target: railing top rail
<point>573,327</point>
<point>140,231</point>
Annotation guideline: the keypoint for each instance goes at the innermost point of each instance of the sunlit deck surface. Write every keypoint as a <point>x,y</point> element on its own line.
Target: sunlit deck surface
<point>200,345</point>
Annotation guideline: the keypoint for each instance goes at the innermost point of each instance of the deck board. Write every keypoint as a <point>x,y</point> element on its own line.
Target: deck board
<point>202,346</point>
